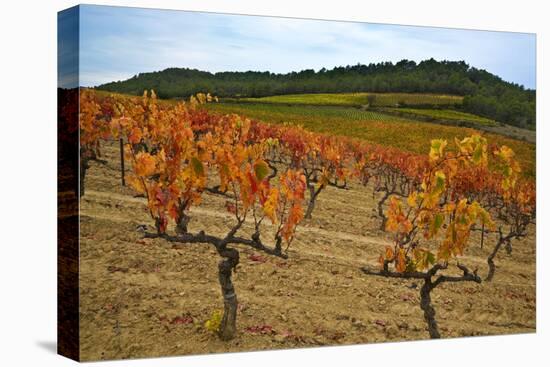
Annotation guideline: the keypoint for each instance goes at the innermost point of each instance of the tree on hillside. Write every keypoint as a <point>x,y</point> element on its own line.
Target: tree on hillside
<point>486,94</point>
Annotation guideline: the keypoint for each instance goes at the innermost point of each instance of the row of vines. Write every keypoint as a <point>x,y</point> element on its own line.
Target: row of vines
<point>272,175</point>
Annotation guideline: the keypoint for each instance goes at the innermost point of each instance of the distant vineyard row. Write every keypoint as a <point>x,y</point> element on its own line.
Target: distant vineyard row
<point>358,99</point>
<point>443,114</point>
<point>376,127</point>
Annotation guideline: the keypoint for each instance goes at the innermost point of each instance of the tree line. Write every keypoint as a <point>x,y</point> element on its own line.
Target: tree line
<point>485,94</point>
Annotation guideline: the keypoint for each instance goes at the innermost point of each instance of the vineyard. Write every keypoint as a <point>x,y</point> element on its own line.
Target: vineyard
<point>277,112</point>
<point>448,115</point>
<point>359,99</point>
<point>375,127</point>
<point>204,231</point>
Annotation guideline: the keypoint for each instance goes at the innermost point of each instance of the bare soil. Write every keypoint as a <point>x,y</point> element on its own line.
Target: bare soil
<point>148,297</point>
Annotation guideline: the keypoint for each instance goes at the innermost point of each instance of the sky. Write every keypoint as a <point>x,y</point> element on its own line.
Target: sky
<point>117,43</point>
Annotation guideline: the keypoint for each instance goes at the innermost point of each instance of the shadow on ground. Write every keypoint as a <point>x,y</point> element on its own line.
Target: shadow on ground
<point>48,345</point>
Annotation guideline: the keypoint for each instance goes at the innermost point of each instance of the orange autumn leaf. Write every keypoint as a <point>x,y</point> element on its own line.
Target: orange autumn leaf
<point>401,261</point>
<point>389,253</point>
<point>145,164</point>
<point>135,135</point>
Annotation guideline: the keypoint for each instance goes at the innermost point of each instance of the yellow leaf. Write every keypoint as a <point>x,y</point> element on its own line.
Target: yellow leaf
<point>437,148</point>
<point>136,184</point>
<point>270,205</point>
<point>411,200</point>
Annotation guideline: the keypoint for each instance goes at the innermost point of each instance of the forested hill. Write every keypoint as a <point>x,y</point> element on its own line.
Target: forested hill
<point>486,94</point>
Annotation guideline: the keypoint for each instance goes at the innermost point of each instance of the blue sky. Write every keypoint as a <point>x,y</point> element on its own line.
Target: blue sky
<point>117,43</point>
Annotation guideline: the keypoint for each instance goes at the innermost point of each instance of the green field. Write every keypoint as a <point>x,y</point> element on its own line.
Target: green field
<point>407,134</point>
<point>357,99</point>
<point>280,113</point>
<point>445,115</point>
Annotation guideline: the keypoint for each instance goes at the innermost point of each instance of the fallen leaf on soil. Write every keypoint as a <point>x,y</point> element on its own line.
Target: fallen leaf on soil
<point>288,335</point>
<point>337,335</point>
<point>145,241</point>
<point>330,335</point>
<point>257,258</point>
<point>182,320</point>
<point>260,329</point>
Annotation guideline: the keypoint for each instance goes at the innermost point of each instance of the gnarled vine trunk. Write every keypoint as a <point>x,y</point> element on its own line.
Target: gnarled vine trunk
<point>491,262</point>
<point>429,311</point>
<point>310,207</point>
<point>312,198</point>
<point>428,286</point>
<point>381,210</point>
<point>182,220</point>
<point>228,325</point>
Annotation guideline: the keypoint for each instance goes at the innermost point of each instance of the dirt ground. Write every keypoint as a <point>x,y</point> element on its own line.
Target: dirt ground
<point>147,298</point>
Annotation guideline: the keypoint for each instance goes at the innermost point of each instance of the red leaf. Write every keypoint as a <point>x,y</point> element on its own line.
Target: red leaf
<point>182,320</point>
<point>257,258</point>
<point>260,329</point>
<point>253,183</point>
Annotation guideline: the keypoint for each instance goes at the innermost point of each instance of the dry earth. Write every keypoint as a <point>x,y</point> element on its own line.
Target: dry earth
<point>146,298</point>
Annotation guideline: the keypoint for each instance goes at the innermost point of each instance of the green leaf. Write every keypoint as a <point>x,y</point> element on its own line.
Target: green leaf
<point>438,221</point>
<point>439,181</point>
<point>261,169</point>
<point>436,148</point>
<point>198,167</point>
<point>478,154</point>
<point>430,257</point>
<point>436,224</point>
